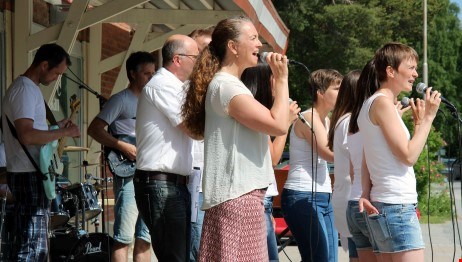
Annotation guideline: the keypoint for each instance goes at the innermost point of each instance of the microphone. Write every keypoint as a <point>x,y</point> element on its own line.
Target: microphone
<point>405,102</point>
<point>300,116</point>
<point>263,56</point>
<point>422,88</point>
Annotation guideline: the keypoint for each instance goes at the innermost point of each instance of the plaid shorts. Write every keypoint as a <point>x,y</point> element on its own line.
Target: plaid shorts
<point>31,216</point>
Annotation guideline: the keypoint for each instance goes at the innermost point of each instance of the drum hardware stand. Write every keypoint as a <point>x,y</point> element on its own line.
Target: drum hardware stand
<point>2,221</point>
<point>102,101</point>
<point>80,230</point>
<point>96,223</point>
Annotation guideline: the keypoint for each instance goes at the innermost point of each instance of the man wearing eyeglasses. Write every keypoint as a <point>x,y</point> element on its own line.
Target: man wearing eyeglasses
<point>164,153</point>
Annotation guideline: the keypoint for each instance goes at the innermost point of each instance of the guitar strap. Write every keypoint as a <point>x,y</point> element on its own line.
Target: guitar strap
<point>51,118</point>
<point>15,135</point>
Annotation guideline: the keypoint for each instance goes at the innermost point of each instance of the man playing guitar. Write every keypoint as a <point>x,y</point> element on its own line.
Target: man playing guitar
<point>119,113</point>
<point>24,106</point>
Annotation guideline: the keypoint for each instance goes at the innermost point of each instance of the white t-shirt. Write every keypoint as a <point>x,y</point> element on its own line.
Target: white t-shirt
<point>161,145</point>
<point>237,159</point>
<point>198,157</point>
<point>272,189</point>
<point>120,113</point>
<point>392,181</point>
<point>300,176</point>
<point>342,182</point>
<point>23,99</point>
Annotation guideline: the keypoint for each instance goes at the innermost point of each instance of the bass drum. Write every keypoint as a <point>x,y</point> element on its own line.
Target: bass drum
<point>7,233</point>
<point>93,247</point>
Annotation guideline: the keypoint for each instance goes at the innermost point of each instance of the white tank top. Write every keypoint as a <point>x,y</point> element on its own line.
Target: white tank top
<point>300,176</point>
<point>355,147</point>
<point>392,181</point>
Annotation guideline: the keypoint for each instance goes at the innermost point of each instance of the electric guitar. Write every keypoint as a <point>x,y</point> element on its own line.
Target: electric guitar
<point>118,163</point>
<point>50,155</point>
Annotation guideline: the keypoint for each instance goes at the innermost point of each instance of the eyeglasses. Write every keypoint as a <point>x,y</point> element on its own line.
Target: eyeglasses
<point>193,57</point>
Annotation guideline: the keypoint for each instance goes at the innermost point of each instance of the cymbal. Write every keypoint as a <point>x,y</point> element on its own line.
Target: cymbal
<point>100,187</point>
<point>97,152</point>
<point>82,165</point>
<point>75,149</point>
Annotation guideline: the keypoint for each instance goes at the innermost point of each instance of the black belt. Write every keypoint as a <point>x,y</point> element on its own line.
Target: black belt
<point>160,176</point>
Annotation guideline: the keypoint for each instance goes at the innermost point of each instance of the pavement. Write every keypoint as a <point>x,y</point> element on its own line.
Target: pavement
<point>438,238</point>
<point>440,245</point>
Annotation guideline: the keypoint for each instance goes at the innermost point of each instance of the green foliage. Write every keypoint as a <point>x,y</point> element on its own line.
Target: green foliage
<point>345,34</point>
<point>439,207</point>
<point>428,171</point>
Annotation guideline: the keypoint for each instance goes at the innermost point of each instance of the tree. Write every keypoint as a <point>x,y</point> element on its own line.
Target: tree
<point>345,34</point>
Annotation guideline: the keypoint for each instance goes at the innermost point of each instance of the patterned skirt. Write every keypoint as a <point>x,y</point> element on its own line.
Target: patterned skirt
<point>235,230</point>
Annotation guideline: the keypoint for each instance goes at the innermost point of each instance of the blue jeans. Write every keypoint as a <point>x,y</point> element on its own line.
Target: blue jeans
<point>166,209</point>
<point>127,221</point>
<point>196,230</point>
<point>310,218</point>
<point>273,254</point>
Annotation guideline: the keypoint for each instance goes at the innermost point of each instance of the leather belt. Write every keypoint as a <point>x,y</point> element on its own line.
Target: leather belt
<point>160,176</point>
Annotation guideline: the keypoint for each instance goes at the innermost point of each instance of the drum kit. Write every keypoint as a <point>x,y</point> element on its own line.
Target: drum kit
<point>75,205</point>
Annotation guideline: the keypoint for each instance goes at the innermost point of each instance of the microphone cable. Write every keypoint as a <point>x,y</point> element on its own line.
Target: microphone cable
<point>453,205</point>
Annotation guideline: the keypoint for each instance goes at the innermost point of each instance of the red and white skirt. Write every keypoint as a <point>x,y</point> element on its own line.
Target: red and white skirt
<point>235,230</point>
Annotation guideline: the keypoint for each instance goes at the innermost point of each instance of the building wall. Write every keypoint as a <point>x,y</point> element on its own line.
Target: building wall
<point>115,38</point>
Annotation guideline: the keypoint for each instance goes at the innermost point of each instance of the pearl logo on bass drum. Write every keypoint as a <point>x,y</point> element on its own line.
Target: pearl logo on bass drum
<point>90,249</point>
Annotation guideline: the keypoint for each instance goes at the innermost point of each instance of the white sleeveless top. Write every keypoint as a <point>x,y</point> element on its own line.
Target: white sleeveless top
<point>392,181</point>
<point>300,176</point>
<point>355,147</point>
<point>342,182</point>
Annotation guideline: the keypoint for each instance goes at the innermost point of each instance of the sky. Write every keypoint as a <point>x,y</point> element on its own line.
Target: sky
<point>459,2</point>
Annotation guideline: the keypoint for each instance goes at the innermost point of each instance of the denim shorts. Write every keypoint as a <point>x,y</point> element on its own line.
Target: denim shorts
<point>352,252</point>
<point>127,221</point>
<point>358,226</point>
<point>396,228</point>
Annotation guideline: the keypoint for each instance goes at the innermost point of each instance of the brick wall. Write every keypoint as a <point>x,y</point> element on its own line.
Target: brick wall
<point>41,13</point>
<point>115,39</point>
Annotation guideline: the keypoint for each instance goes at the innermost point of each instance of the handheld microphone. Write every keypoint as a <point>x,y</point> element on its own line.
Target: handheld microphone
<point>405,102</point>
<point>301,117</point>
<point>422,88</point>
<point>263,56</point>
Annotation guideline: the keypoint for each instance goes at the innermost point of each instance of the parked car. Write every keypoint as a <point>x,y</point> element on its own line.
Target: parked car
<point>451,168</point>
<point>456,170</point>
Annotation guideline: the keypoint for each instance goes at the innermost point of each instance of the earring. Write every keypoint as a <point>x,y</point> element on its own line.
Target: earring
<point>237,56</point>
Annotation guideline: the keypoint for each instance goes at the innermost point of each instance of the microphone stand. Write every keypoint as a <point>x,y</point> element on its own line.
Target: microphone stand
<point>102,101</point>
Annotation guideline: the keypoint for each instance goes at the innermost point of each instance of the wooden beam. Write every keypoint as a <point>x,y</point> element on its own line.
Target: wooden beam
<point>149,46</point>
<point>91,103</point>
<point>70,28</point>
<point>178,17</point>
<point>92,17</point>
<point>8,47</point>
<point>22,28</point>
<point>67,37</point>
<point>135,45</point>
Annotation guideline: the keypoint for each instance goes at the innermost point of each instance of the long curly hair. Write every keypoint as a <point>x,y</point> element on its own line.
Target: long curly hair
<point>207,64</point>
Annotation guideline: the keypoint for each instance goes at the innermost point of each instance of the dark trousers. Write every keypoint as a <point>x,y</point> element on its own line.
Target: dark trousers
<point>166,209</point>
